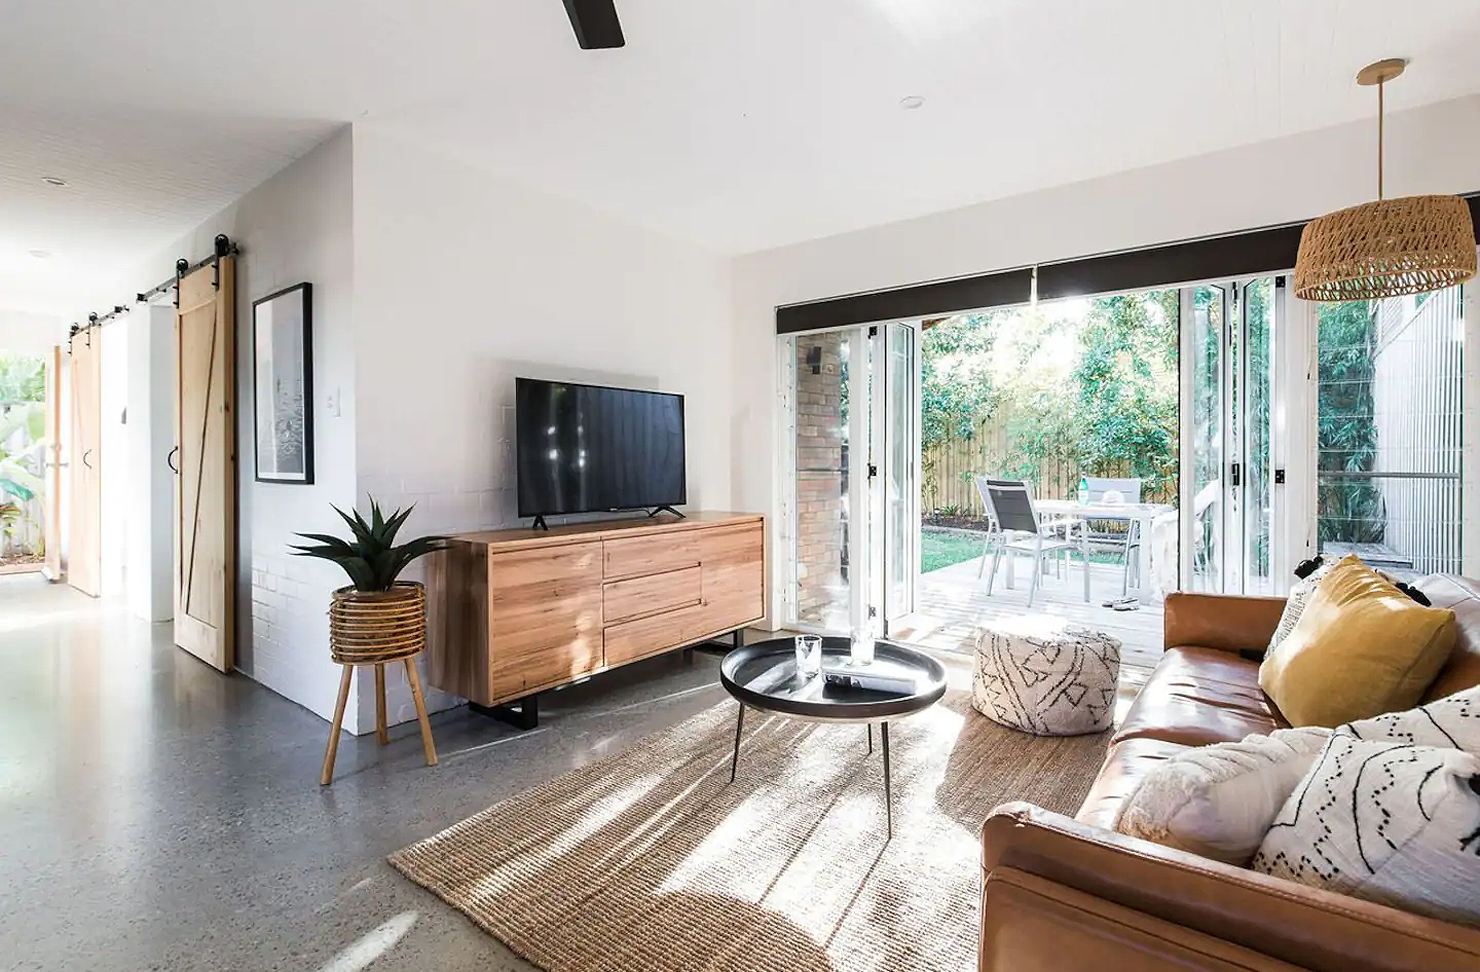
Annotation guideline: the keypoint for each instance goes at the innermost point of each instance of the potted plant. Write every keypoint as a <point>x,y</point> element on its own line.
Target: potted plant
<point>377,618</point>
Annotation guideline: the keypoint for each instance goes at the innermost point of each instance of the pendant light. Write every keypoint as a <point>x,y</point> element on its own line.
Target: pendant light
<point>1389,247</point>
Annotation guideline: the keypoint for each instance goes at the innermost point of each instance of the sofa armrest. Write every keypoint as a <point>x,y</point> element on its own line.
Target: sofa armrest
<point>1228,622</point>
<point>1306,927</point>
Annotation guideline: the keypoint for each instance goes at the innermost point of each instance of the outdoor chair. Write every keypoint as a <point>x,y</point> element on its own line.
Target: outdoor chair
<point>1019,529</point>
<point>1124,541</point>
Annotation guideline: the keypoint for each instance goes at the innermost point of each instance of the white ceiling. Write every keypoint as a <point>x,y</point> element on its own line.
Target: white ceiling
<point>738,124</point>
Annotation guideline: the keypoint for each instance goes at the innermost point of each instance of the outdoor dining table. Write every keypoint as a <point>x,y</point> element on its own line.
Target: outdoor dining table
<point>1141,513</point>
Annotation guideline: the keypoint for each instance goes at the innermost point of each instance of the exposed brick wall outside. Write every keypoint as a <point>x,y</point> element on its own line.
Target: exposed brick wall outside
<point>821,435</point>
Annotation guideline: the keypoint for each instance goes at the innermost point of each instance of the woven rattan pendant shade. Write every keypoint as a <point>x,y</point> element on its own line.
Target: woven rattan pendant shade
<point>1386,248</point>
<point>1390,247</point>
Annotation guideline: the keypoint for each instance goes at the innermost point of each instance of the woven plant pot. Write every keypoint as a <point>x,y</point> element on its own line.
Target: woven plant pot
<point>366,627</point>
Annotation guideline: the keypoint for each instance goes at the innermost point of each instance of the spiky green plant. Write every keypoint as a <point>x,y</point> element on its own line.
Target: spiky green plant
<point>371,559</point>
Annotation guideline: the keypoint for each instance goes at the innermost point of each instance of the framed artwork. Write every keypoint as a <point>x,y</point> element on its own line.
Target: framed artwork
<point>282,378</point>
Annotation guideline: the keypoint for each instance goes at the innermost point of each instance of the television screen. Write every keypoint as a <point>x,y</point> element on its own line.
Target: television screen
<point>585,448</point>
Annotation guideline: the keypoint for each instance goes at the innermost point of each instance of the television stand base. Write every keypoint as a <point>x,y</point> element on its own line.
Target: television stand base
<point>540,524</point>
<point>660,509</point>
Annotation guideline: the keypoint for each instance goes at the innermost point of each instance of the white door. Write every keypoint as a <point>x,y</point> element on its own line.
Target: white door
<point>1230,487</point>
<point>897,466</point>
<point>849,523</point>
<point>1389,395</point>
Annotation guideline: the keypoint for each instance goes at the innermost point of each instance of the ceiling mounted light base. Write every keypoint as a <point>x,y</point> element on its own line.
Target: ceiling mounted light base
<point>1387,248</point>
<point>1381,72</point>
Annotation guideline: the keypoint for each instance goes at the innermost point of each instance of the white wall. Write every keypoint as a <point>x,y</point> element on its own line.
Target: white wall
<point>113,457</point>
<point>465,281</point>
<point>149,575</point>
<point>297,226</point>
<point>1434,149</point>
<point>31,333</point>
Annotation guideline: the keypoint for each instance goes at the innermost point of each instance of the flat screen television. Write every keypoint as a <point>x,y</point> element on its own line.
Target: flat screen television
<point>588,448</point>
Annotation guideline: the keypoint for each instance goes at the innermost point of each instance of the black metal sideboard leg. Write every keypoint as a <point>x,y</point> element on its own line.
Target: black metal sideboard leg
<point>739,725</point>
<point>525,717</point>
<point>888,797</point>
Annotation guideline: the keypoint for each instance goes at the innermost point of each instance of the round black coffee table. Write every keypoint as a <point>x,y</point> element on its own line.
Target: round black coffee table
<point>764,676</point>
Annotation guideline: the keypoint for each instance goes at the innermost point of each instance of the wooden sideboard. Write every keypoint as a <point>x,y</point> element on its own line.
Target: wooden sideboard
<point>512,613</point>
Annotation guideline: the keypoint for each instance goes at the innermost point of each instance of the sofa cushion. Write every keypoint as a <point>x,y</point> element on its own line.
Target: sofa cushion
<point>1451,723</point>
<point>1197,696</point>
<point>1386,821</point>
<point>1126,764</point>
<point>1360,648</point>
<point>1462,596</point>
<point>1218,801</point>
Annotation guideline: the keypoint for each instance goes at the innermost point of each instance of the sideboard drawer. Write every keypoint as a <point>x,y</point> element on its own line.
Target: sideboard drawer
<point>652,554</point>
<point>651,594</point>
<point>632,640</point>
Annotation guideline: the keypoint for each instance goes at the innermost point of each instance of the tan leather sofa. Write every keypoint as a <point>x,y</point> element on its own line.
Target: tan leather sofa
<point>1061,893</point>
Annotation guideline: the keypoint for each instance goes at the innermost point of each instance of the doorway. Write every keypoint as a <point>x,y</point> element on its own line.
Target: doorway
<point>26,530</point>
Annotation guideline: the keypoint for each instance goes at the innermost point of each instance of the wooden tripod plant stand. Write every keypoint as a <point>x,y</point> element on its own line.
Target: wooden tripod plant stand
<point>377,628</point>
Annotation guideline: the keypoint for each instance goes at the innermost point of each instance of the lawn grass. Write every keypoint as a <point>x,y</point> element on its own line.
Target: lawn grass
<point>944,548</point>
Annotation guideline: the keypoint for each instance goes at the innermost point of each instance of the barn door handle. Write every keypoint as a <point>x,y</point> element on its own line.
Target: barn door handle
<point>85,454</point>
<point>169,460</point>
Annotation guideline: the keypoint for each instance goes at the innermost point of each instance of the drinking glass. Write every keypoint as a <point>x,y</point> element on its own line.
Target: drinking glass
<point>861,648</point>
<point>809,655</point>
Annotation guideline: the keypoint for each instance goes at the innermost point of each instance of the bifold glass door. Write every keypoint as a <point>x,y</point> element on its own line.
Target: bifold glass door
<point>1228,470</point>
<point>1390,406</point>
<point>850,495</point>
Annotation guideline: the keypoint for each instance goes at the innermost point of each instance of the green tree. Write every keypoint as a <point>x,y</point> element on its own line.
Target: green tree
<point>956,388</point>
<point>1350,509</point>
<point>1126,388</point>
<point>22,378</point>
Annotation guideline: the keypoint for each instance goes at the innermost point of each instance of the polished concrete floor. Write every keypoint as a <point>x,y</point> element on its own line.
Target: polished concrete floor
<point>156,815</point>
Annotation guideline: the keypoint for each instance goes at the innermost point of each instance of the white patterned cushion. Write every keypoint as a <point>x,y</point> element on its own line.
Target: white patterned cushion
<point>1384,821</point>
<point>1218,801</point>
<point>1453,721</point>
<point>1046,676</point>
<point>1300,592</point>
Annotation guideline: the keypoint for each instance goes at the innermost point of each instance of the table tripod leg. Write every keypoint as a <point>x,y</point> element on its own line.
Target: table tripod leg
<point>888,797</point>
<point>870,738</point>
<point>735,757</point>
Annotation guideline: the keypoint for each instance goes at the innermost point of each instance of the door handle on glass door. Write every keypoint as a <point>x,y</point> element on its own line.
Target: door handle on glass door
<point>85,454</point>
<point>169,460</point>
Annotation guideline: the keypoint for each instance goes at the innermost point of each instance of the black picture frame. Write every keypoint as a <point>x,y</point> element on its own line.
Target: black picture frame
<point>282,408</point>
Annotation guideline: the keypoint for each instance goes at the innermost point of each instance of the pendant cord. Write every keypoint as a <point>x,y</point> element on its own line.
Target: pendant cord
<point>1381,114</point>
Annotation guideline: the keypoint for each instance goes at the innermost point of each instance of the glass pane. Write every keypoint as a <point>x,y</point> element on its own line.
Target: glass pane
<point>23,454</point>
<point>821,529</point>
<point>899,472</point>
<point>1258,311</point>
<point>1208,311</point>
<point>1389,432</point>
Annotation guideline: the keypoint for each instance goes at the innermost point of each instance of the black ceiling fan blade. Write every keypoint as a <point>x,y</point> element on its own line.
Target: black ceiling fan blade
<point>595,23</point>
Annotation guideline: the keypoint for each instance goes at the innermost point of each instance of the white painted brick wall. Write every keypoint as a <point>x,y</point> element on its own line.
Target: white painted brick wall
<point>494,298</point>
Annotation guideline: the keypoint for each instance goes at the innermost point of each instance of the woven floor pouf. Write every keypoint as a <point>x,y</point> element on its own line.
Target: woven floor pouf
<point>1044,675</point>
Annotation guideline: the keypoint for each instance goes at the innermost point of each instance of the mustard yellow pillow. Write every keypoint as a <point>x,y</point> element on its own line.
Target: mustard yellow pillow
<point>1361,648</point>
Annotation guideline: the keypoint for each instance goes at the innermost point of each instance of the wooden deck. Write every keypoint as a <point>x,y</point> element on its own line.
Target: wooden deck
<point>951,601</point>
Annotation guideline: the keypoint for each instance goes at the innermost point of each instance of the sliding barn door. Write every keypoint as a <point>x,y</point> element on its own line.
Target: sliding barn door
<point>85,548</point>
<point>205,485</point>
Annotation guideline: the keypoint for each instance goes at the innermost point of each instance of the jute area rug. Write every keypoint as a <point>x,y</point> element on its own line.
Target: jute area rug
<point>651,860</point>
